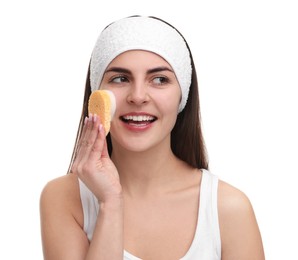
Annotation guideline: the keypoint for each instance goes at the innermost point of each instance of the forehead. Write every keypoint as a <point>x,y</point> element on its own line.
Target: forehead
<point>139,58</point>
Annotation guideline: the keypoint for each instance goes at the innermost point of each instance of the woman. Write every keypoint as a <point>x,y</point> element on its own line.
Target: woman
<point>145,191</point>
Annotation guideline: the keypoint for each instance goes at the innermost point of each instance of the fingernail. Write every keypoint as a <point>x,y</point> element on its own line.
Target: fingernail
<point>100,127</point>
<point>90,117</point>
<point>85,120</point>
<point>94,118</point>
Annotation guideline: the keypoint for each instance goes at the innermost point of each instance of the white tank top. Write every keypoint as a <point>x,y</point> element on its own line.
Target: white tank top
<point>206,244</point>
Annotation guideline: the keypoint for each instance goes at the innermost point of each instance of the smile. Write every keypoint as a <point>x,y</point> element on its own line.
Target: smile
<point>138,120</point>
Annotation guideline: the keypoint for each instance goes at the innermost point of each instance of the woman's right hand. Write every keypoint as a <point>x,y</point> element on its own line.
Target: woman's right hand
<point>93,164</point>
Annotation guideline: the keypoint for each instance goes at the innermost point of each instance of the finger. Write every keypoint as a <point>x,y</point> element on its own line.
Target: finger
<point>84,129</point>
<point>84,138</point>
<point>105,152</point>
<point>84,144</point>
<point>90,140</point>
<point>98,146</point>
<point>79,145</point>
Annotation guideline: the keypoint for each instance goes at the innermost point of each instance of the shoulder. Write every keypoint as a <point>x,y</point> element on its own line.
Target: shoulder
<point>61,219</point>
<point>232,199</point>
<point>240,234</point>
<point>62,195</point>
<point>64,185</point>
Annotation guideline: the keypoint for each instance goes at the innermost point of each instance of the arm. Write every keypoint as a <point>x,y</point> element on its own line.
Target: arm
<point>61,220</point>
<point>240,235</point>
<point>61,210</point>
<point>106,242</point>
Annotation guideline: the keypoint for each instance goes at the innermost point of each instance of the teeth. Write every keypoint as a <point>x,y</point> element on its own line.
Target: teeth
<point>139,118</point>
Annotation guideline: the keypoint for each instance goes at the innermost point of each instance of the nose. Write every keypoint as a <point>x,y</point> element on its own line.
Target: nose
<point>138,94</point>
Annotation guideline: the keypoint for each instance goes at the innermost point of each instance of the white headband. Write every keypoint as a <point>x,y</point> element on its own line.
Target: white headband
<point>142,33</point>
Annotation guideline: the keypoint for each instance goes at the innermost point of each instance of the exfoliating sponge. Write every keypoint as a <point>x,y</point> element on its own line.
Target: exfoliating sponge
<point>103,104</point>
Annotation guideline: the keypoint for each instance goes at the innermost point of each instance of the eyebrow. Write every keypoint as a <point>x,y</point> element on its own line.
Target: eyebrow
<point>150,71</point>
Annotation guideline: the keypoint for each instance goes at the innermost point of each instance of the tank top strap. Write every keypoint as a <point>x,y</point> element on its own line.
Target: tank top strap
<point>90,207</point>
<point>207,243</point>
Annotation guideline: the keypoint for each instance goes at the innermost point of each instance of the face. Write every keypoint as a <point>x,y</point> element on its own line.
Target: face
<point>147,96</point>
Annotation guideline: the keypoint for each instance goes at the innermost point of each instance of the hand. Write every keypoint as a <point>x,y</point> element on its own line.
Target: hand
<point>93,164</point>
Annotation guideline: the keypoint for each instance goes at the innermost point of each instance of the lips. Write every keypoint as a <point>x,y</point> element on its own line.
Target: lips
<point>138,119</point>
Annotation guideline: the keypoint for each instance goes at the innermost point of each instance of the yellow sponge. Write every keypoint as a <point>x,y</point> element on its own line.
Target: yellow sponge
<point>103,104</point>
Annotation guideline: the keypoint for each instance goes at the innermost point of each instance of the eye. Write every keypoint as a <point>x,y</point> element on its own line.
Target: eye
<point>160,80</point>
<point>119,79</point>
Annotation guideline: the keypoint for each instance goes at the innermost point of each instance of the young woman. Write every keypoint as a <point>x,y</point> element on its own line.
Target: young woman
<point>144,191</point>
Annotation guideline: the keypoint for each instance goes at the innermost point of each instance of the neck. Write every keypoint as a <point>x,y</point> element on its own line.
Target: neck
<point>147,172</point>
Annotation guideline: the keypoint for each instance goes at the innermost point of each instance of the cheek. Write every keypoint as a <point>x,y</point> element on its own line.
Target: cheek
<point>120,99</point>
<point>170,101</point>
<point>118,96</point>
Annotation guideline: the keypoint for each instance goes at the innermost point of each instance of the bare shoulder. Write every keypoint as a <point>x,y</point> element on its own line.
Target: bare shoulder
<point>240,235</point>
<point>64,184</point>
<point>231,199</point>
<point>62,192</point>
<point>61,219</point>
<point>60,188</point>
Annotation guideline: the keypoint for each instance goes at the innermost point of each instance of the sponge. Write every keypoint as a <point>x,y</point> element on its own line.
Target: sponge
<point>103,104</point>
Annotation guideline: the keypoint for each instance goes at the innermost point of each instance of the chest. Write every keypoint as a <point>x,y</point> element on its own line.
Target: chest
<point>162,228</point>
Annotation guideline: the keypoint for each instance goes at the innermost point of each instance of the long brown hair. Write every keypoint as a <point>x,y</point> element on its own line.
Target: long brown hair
<point>187,141</point>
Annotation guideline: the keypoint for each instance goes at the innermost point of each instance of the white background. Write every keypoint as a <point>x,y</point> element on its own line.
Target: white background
<point>247,62</point>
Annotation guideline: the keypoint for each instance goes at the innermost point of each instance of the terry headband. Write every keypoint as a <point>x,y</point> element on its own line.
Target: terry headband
<point>142,33</point>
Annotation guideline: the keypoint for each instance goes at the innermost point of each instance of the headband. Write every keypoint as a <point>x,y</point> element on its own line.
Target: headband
<point>142,33</point>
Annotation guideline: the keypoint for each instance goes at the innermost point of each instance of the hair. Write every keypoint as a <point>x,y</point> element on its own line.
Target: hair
<point>187,142</point>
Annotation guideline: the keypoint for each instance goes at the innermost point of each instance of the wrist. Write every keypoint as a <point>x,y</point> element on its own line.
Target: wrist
<point>115,203</point>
